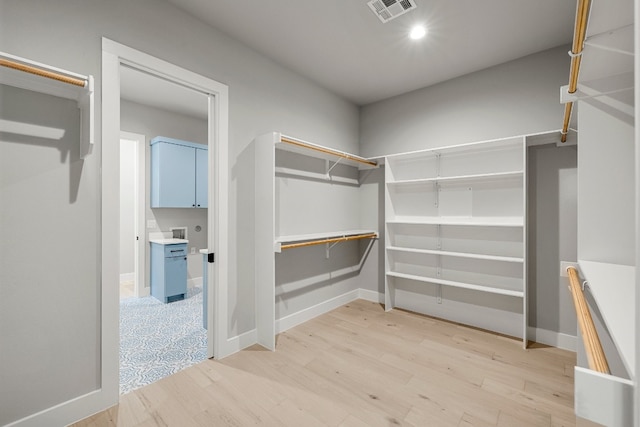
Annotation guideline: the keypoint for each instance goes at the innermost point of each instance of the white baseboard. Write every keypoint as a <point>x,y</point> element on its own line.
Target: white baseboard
<point>127,277</point>
<point>372,296</point>
<point>239,342</point>
<point>307,314</point>
<point>555,339</point>
<point>194,281</point>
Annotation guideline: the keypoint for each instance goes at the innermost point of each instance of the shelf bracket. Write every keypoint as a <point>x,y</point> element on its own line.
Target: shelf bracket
<point>436,184</point>
<point>329,169</point>
<point>439,273</point>
<point>329,247</point>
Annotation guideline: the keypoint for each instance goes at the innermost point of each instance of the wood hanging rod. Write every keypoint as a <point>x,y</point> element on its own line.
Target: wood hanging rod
<point>42,73</point>
<point>595,353</point>
<point>579,34</point>
<point>330,240</point>
<point>328,151</point>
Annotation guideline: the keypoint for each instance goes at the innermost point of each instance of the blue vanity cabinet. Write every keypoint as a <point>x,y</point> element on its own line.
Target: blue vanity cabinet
<point>168,271</point>
<point>178,173</point>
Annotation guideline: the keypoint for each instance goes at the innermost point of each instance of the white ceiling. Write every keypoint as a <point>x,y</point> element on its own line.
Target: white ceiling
<point>344,47</point>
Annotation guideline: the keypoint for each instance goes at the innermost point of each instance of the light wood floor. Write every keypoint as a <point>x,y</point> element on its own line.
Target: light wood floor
<point>359,366</point>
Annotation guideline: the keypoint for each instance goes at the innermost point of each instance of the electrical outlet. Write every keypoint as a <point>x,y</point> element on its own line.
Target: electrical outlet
<point>151,223</point>
<point>193,250</point>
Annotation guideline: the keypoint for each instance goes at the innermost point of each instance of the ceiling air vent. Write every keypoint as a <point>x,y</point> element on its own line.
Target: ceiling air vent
<point>386,10</point>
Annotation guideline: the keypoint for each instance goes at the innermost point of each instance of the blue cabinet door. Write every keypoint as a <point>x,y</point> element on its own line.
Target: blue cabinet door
<point>168,271</point>
<point>178,173</point>
<point>175,276</point>
<point>202,161</point>
<point>157,272</point>
<point>172,176</point>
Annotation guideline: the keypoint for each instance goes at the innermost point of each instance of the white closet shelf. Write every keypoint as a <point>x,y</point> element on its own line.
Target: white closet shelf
<point>480,288</point>
<point>619,40</point>
<point>460,178</point>
<point>294,145</point>
<point>280,171</point>
<point>613,288</point>
<point>30,75</point>
<point>457,254</point>
<point>497,144</point>
<point>503,221</point>
<point>297,238</point>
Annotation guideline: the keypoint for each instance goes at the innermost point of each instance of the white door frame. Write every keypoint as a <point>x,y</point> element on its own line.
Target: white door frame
<point>140,287</point>
<point>113,56</point>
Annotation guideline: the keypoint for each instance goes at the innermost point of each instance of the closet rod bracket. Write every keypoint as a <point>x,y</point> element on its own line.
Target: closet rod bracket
<point>329,169</point>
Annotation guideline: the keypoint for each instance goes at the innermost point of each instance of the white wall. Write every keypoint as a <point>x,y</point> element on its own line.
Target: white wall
<point>516,98</point>
<point>263,97</point>
<point>127,200</point>
<point>152,122</point>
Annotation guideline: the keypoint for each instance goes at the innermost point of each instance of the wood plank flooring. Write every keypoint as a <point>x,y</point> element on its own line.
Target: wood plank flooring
<point>359,366</point>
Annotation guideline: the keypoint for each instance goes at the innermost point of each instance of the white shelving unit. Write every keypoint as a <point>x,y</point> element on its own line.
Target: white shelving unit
<point>306,195</point>
<point>455,219</point>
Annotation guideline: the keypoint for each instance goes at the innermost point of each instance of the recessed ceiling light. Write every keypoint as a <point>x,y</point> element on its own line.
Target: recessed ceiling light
<point>417,32</point>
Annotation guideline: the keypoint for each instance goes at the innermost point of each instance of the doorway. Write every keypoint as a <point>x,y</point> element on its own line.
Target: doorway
<point>114,56</point>
<point>132,208</point>
<point>162,333</point>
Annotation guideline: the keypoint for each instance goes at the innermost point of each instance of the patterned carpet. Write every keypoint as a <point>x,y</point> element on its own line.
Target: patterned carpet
<point>157,340</point>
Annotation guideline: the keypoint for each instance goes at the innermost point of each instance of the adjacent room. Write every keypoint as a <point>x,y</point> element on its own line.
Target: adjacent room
<point>362,213</point>
<point>163,227</point>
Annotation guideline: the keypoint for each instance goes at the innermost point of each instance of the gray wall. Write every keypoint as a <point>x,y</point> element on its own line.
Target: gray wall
<point>515,98</point>
<point>67,33</point>
<point>153,122</point>
<point>552,235</point>
<point>372,217</point>
<point>49,349</point>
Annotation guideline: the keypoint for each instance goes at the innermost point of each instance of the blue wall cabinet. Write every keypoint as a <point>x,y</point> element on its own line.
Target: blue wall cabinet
<point>168,271</point>
<point>202,167</point>
<point>178,173</point>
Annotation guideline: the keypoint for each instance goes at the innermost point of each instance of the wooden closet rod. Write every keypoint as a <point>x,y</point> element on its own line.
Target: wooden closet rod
<point>331,240</point>
<point>579,34</point>
<point>595,353</point>
<point>328,151</point>
<point>42,73</point>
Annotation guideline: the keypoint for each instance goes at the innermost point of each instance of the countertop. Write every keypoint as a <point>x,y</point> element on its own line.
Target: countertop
<point>168,241</point>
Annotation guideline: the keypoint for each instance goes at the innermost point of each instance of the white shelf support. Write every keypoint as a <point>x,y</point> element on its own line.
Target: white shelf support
<point>329,247</point>
<point>585,92</point>
<point>439,276</point>
<point>87,118</point>
<point>329,169</point>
